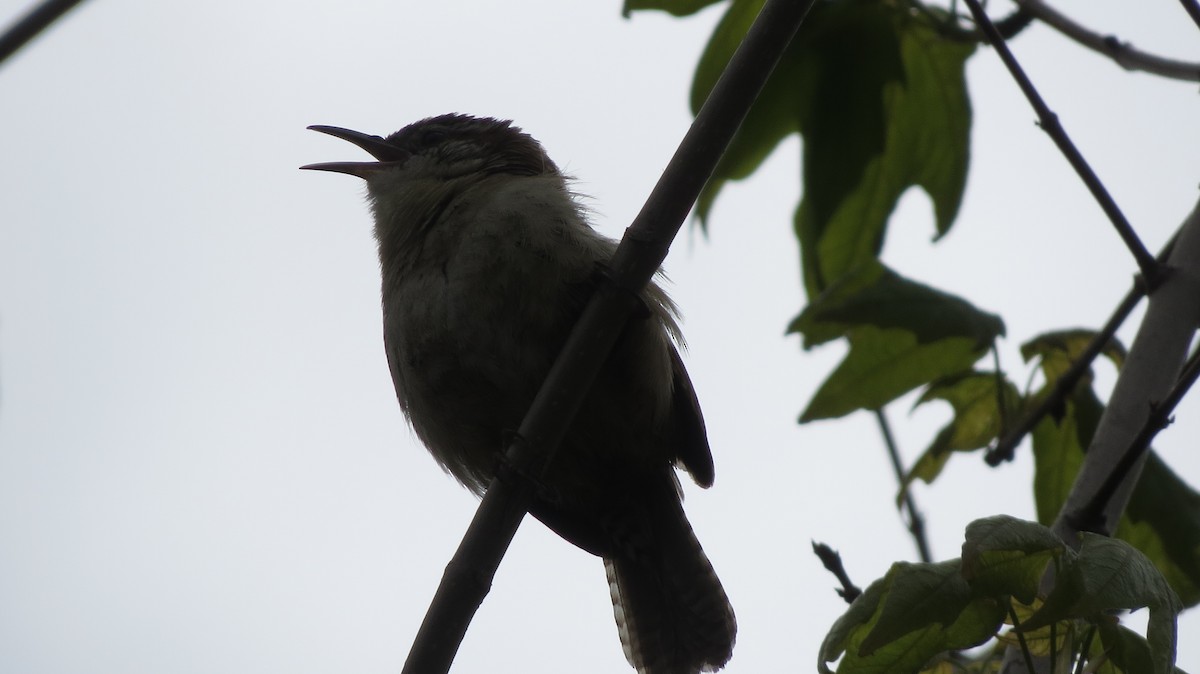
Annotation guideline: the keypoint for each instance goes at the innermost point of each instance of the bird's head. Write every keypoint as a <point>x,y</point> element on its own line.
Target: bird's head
<point>443,147</point>
<point>419,169</point>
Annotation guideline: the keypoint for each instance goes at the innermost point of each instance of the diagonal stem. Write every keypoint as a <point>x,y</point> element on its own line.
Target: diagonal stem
<point>1004,449</point>
<point>832,561</point>
<point>1090,517</point>
<point>1193,9</point>
<point>916,522</point>
<point>1050,124</point>
<point>27,27</point>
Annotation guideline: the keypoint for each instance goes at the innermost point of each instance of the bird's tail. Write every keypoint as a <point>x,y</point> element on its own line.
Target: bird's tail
<point>672,613</point>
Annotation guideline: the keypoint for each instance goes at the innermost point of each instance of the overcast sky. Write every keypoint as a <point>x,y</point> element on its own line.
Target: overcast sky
<point>203,468</point>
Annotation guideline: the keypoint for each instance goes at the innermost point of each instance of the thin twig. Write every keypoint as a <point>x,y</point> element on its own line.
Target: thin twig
<point>1158,369</point>
<point>1012,613</point>
<point>1050,124</point>
<point>1193,10</point>
<point>27,27</point>
<point>1090,517</point>
<point>1083,651</point>
<point>1065,384</point>
<point>1123,53</point>
<point>947,24</point>
<point>469,573</point>
<point>832,560</point>
<point>1001,398</point>
<point>916,523</point>
<point>1151,371</point>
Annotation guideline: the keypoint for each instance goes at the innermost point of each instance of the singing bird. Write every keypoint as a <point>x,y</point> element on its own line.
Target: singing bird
<point>487,261</point>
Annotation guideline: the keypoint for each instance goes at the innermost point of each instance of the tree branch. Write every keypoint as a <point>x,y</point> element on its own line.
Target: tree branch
<point>832,561</point>
<point>1193,10</point>
<point>1148,382</point>
<point>1065,384</point>
<point>469,573</point>
<point>947,24</point>
<point>1125,55</point>
<point>1090,517</point>
<point>1050,124</point>
<point>27,27</point>
<point>1150,376</point>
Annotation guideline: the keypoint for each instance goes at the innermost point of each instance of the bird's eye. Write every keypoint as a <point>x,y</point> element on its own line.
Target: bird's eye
<point>431,137</point>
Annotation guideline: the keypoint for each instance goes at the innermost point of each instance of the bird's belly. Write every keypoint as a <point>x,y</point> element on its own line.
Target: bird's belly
<point>468,362</point>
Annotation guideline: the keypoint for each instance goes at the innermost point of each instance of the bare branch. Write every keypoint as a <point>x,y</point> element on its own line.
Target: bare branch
<point>832,561</point>
<point>27,27</point>
<point>1065,384</point>
<point>1193,9</point>
<point>1150,377</point>
<point>469,574</point>
<point>1151,370</point>
<point>1050,124</point>
<point>1090,517</point>
<point>948,26</point>
<point>1125,54</point>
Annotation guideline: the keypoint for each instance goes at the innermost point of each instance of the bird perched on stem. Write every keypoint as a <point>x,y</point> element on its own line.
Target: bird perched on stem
<point>487,262</point>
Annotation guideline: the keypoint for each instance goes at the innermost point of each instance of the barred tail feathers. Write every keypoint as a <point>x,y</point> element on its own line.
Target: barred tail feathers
<point>672,613</point>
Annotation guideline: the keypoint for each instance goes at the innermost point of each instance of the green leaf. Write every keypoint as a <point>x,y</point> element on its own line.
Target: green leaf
<point>1059,639</point>
<point>676,7</point>
<point>1110,574</point>
<point>1124,648</point>
<point>853,625</point>
<point>976,402</point>
<point>874,132</point>
<point>881,101</point>
<point>1058,445</point>
<point>774,115</point>
<point>978,418</point>
<point>919,595</point>
<point>1163,521</point>
<point>1003,555</point>
<point>1163,516</point>
<point>873,294</point>
<point>1057,350</point>
<point>883,365</point>
<point>845,129</point>
<point>914,613</point>
<point>902,335</point>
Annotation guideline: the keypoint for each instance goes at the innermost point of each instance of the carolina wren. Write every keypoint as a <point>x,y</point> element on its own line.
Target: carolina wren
<point>486,259</point>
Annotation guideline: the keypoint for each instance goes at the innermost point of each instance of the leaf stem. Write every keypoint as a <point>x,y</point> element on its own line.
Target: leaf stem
<point>1083,651</point>
<point>916,522</point>
<point>1012,613</point>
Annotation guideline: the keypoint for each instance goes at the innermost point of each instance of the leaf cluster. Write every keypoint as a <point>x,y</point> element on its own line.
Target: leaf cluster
<point>917,614</point>
<point>879,97</point>
<point>878,93</point>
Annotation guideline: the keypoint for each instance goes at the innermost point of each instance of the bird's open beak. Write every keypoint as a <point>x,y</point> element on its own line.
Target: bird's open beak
<point>387,155</point>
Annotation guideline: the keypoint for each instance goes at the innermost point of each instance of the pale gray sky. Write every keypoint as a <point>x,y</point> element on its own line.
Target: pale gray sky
<point>203,468</point>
